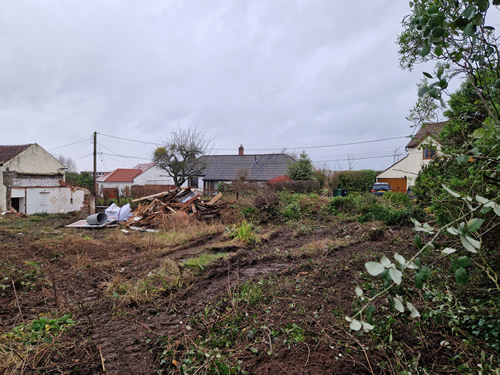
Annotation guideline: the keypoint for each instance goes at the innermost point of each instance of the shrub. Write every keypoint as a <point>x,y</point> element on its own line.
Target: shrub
<point>301,187</point>
<point>342,205</point>
<point>291,211</point>
<point>355,181</point>
<point>392,216</point>
<point>396,198</point>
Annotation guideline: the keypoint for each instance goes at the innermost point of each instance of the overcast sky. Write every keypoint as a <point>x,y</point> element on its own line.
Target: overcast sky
<point>268,74</point>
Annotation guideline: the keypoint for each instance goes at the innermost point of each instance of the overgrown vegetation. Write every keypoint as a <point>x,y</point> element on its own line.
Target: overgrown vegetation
<point>452,277</point>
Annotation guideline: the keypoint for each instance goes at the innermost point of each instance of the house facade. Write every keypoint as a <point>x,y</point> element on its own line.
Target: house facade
<point>143,179</point>
<point>422,148</point>
<point>228,168</point>
<point>32,181</point>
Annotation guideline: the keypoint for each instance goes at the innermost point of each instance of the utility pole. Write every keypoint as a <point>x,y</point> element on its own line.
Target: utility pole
<point>95,165</point>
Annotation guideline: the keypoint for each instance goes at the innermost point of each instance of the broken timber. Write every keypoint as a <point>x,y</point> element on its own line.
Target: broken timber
<point>154,209</point>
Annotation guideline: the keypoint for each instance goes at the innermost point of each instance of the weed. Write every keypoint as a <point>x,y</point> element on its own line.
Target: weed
<point>203,260</point>
<point>244,232</point>
<point>294,334</point>
<point>43,329</point>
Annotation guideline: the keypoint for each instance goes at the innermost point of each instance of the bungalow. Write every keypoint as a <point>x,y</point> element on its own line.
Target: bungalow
<point>146,178</point>
<point>228,168</point>
<point>423,146</point>
<point>32,181</point>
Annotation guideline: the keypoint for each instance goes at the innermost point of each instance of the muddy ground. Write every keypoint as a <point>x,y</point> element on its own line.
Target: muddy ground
<point>275,306</point>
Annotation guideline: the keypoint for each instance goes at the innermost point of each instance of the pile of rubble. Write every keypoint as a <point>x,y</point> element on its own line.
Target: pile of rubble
<point>153,209</point>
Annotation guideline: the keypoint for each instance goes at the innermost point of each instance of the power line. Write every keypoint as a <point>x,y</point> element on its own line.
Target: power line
<point>322,146</point>
<point>88,138</point>
<point>271,149</point>
<point>360,158</point>
<point>131,140</point>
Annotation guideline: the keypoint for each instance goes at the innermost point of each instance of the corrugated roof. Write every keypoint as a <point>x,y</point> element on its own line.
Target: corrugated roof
<point>9,152</point>
<point>428,129</point>
<point>144,166</point>
<point>262,167</point>
<point>121,175</point>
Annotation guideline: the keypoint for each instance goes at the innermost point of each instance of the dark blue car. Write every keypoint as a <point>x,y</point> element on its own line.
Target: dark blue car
<point>379,188</point>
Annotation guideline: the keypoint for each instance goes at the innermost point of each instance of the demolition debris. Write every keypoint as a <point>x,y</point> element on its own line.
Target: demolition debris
<point>154,209</point>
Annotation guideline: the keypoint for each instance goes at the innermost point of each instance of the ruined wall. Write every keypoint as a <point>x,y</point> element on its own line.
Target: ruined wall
<point>31,168</point>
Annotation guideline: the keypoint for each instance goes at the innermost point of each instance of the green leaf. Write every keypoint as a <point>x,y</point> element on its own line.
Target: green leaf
<point>385,261</point>
<point>479,133</point>
<point>425,272</point>
<point>427,75</point>
<point>454,265</point>
<point>456,195</point>
<point>469,12</point>
<point>398,304</point>
<point>412,266</point>
<point>355,325</point>
<point>425,50</point>
<point>485,210</point>
<point>367,326</point>
<point>464,261</point>
<point>497,209</point>
<point>470,29</point>
<point>461,276</point>
<point>481,200</point>
<point>254,350</point>
<point>413,311</point>
<point>467,244</point>
<point>433,9</point>
<point>448,251</point>
<point>423,90</point>
<point>396,275</point>
<point>452,231</point>
<point>418,241</point>
<point>359,291</point>
<point>419,281</point>
<point>374,268</point>
<point>400,259</point>
<point>474,224</point>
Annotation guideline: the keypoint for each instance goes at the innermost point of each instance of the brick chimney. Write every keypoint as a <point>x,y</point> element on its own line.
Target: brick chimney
<point>241,150</point>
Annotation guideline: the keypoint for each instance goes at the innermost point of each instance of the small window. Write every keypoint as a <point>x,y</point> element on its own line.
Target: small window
<point>429,152</point>
<point>193,182</point>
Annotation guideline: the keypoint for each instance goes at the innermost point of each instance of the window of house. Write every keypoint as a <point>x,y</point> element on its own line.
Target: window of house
<point>193,182</point>
<point>429,152</point>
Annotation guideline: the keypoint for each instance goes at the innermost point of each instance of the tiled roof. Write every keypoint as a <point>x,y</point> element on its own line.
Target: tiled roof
<point>262,167</point>
<point>144,166</point>
<point>428,129</point>
<point>121,175</point>
<point>9,152</point>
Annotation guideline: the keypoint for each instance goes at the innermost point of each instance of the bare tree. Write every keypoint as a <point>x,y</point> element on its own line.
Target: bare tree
<point>350,161</point>
<point>293,154</point>
<point>68,163</point>
<point>179,155</point>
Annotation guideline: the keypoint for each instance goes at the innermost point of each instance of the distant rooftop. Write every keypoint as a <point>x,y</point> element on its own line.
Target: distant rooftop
<point>428,129</point>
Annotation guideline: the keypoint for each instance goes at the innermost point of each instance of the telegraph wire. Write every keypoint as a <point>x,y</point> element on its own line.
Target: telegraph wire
<point>88,139</point>
<point>324,146</point>
<point>271,149</point>
<point>131,140</point>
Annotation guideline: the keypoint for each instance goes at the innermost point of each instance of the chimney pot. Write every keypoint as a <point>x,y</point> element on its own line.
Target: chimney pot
<point>241,150</point>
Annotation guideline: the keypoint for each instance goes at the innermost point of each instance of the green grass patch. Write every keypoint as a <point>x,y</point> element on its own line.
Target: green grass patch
<point>203,260</point>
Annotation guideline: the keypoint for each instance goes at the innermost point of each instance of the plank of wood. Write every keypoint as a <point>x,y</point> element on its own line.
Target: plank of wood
<point>153,196</point>
<point>214,199</point>
<point>171,209</point>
